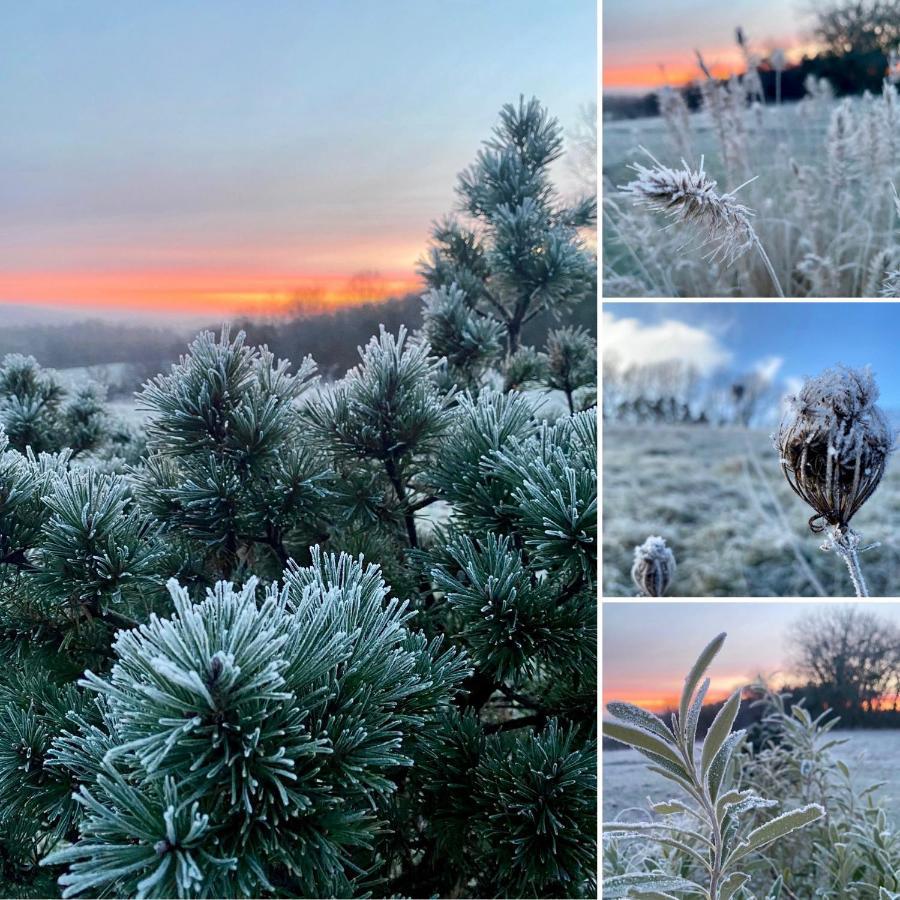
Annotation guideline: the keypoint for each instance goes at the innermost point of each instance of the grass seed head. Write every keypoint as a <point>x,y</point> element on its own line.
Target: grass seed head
<point>654,567</point>
<point>834,444</point>
<point>691,197</point>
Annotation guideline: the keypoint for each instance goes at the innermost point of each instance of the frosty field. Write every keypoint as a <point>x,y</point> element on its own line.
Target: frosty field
<point>811,182</point>
<point>870,754</point>
<point>718,497</point>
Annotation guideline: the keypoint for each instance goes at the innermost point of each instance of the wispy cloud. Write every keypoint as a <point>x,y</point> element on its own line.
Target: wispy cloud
<point>629,342</point>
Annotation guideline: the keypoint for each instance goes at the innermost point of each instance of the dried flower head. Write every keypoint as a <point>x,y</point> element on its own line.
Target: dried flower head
<point>690,197</point>
<point>834,443</point>
<point>654,567</point>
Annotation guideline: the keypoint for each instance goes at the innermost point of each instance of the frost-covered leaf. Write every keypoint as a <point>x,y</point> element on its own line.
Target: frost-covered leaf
<point>634,715</point>
<point>719,731</point>
<point>777,828</point>
<point>643,741</point>
<point>633,884</point>
<point>696,673</point>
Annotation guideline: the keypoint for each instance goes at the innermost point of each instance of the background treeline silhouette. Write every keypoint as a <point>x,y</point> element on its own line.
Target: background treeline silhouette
<point>331,338</point>
<point>674,392</point>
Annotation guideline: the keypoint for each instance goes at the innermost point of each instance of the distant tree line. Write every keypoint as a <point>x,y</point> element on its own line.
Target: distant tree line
<point>332,338</point>
<point>673,392</point>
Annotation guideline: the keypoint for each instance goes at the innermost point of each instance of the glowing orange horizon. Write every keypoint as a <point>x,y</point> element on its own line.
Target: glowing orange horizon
<point>650,76</point>
<point>683,69</point>
<point>666,701</point>
<point>200,290</point>
<point>668,695</point>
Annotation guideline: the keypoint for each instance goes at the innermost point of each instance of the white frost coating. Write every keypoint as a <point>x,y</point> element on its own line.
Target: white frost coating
<point>839,406</point>
<point>654,567</point>
<point>691,197</point>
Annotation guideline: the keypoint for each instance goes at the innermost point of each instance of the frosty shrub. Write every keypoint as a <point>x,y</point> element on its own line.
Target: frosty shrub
<point>517,252</point>
<point>315,640</point>
<point>715,830</point>
<point>571,362</point>
<point>236,729</point>
<point>37,411</point>
<point>211,687</point>
<point>834,442</point>
<point>853,852</point>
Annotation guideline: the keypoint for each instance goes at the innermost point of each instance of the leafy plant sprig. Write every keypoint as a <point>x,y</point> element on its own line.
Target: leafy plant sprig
<point>717,841</point>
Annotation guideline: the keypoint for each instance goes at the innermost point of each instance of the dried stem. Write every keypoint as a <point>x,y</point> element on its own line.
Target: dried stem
<point>768,264</point>
<point>846,544</point>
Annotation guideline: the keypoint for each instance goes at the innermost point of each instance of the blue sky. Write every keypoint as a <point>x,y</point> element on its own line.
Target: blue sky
<point>237,143</point>
<point>803,338</point>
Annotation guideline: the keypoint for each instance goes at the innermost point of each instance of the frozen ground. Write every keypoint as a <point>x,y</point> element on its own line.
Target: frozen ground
<point>870,755</point>
<point>623,140</point>
<point>719,499</point>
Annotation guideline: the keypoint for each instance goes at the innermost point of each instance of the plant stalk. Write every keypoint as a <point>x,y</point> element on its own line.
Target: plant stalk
<point>845,542</point>
<point>768,264</point>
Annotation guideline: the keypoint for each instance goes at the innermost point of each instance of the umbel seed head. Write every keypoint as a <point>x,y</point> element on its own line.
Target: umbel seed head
<point>654,567</point>
<point>834,443</point>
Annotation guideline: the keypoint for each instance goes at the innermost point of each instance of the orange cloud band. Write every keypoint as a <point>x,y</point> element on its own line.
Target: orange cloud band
<point>203,290</point>
<point>667,695</point>
<point>682,69</point>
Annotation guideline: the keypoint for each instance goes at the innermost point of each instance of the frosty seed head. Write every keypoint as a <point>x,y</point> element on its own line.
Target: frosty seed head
<point>654,567</point>
<point>690,197</point>
<point>834,443</point>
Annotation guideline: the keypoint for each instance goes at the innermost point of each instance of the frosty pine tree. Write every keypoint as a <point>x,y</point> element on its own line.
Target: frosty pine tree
<point>517,253</point>
<point>314,640</point>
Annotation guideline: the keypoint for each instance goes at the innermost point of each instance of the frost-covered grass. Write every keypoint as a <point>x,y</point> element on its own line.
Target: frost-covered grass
<point>869,753</point>
<point>720,500</point>
<point>816,177</point>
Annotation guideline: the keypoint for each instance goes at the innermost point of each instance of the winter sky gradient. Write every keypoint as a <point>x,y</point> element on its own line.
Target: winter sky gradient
<point>221,154</point>
<point>648,647</point>
<point>640,36</point>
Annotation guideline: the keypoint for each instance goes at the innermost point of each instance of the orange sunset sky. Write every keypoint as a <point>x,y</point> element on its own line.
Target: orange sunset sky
<point>649,647</point>
<point>649,43</point>
<point>224,156</point>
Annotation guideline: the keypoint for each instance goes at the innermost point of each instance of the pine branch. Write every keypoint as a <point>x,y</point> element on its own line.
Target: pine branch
<point>538,721</point>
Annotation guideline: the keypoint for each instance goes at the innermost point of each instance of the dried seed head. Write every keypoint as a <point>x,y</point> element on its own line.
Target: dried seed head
<point>834,443</point>
<point>690,197</point>
<point>654,567</point>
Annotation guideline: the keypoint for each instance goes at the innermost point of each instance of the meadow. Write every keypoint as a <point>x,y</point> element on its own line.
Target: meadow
<point>719,498</point>
<point>869,752</point>
<point>811,183</point>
